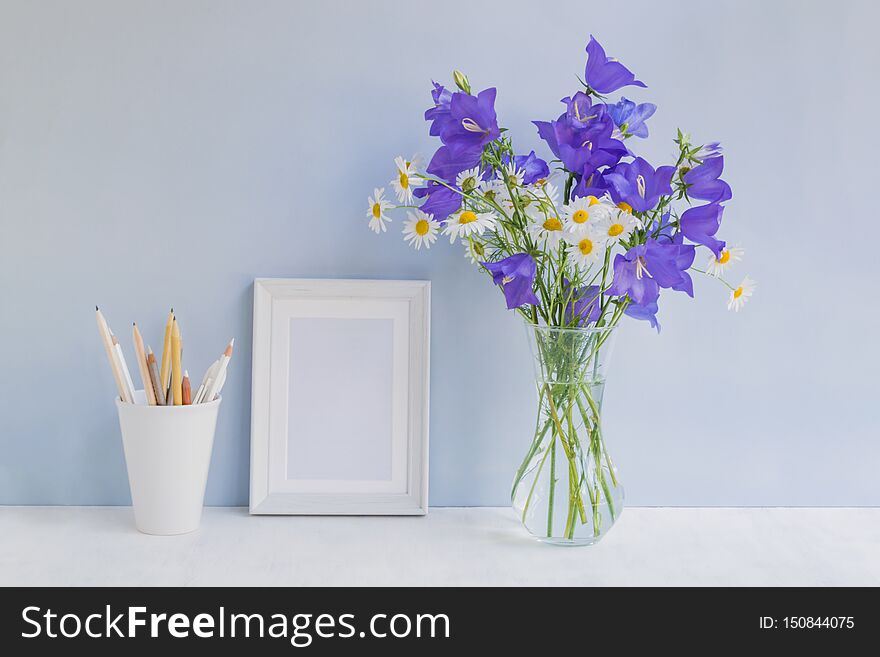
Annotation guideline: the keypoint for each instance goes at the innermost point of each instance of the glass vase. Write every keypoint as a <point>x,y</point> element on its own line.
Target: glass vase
<point>566,491</point>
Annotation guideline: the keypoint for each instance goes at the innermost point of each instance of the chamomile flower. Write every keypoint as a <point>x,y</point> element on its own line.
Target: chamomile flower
<point>546,229</point>
<point>528,204</point>
<point>584,212</point>
<point>469,180</point>
<point>716,266</point>
<point>492,190</point>
<point>618,227</point>
<point>407,179</point>
<point>376,210</point>
<point>547,193</point>
<point>466,223</point>
<point>512,175</point>
<point>474,250</point>
<point>586,247</point>
<point>741,294</point>
<point>420,229</point>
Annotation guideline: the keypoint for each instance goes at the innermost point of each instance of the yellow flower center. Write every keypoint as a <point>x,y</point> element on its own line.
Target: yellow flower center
<point>615,230</point>
<point>626,207</point>
<point>507,279</point>
<point>737,293</point>
<point>592,200</point>
<point>725,257</point>
<point>467,217</point>
<point>422,227</point>
<point>586,246</point>
<point>404,180</point>
<point>377,210</point>
<point>552,224</point>
<point>580,216</point>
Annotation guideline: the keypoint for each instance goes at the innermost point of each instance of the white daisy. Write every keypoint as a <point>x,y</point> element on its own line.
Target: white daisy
<point>407,179</point>
<point>586,247</point>
<point>530,205</point>
<point>376,210</point>
<point>512,175</point>
<point>492,190</point>
<point>584,212</point>
<point>546,229</point>
<point>469,180</point>
<point>546,193</point>
<point>740,295</point>
<point>618,227</point>
<point>466,223</point>
<point>474,250</point>
<point>716,266</point>
<point>420,229</point>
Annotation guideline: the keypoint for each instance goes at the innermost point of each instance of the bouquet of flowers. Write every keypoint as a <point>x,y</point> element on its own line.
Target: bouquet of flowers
<point>575,242</point>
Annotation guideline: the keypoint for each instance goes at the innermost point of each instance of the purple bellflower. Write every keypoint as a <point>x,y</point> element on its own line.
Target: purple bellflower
<point>639,185</point>
<point>605,74</point>
<point>516,275</point>
<point>448,162</point>
<point>471,122</point>
<point>700,224</point>
<point>704,183</point>
<point>585,306</point>
<point>642,271</point>
<point>441,201</point>
<point>630,118</point>
<point>582,137</point>
<point>645,312</point>
<point>440,114</point>
<point>591,185</point>
<point>532,166</point>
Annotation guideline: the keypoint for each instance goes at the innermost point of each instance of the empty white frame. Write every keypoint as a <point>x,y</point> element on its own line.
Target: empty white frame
<point>339,409</point>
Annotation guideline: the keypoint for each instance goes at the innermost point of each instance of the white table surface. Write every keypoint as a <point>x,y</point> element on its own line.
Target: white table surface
<point>476,546</point>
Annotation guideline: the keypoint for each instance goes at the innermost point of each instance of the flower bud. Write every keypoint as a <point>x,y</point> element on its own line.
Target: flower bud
<point>461,81</point>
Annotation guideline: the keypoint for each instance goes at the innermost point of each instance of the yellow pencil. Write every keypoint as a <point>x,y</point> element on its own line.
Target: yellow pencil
<point>144,368</point>
<point>165,369</point>
<point>176,371</point>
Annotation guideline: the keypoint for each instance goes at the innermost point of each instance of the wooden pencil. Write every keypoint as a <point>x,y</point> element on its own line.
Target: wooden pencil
<point>154,377</point>
<point>165,370</point>
<point>186,389</point>
<point>176,372</point>
<point>144,368</point>
<point>107,341</point>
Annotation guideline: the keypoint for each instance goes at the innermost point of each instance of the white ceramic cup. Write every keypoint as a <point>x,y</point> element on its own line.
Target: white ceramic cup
<point>167,453</point>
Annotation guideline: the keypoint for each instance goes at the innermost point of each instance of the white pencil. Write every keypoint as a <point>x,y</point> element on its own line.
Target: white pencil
<point>107,341</point>
<point>120,357</point>
<point>221,374</point>
<point>209,375</point>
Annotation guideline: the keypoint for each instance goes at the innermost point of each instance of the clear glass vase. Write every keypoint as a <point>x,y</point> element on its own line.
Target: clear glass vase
<point>567,491</point>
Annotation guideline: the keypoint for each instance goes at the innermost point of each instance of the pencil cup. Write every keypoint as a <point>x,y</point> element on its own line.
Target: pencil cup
<point>167,453</point>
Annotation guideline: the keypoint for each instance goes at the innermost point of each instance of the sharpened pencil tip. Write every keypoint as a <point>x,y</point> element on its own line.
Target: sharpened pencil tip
<point>96,307</point>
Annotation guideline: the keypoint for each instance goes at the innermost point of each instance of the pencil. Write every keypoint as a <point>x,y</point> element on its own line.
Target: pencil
<point>144,368</point>
<point>154,377</point>
<point>165,370</point>
<point>209,375</point>
<point>104,332</point>
<point>220,378</point>
<point>176,373</point>
<point>186,389</point>
<point>120,357</point>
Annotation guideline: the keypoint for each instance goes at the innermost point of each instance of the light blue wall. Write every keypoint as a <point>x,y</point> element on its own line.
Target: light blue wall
<point>157,153</point>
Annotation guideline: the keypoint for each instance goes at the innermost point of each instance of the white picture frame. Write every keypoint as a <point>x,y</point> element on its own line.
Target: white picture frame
<point>340,391</point>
